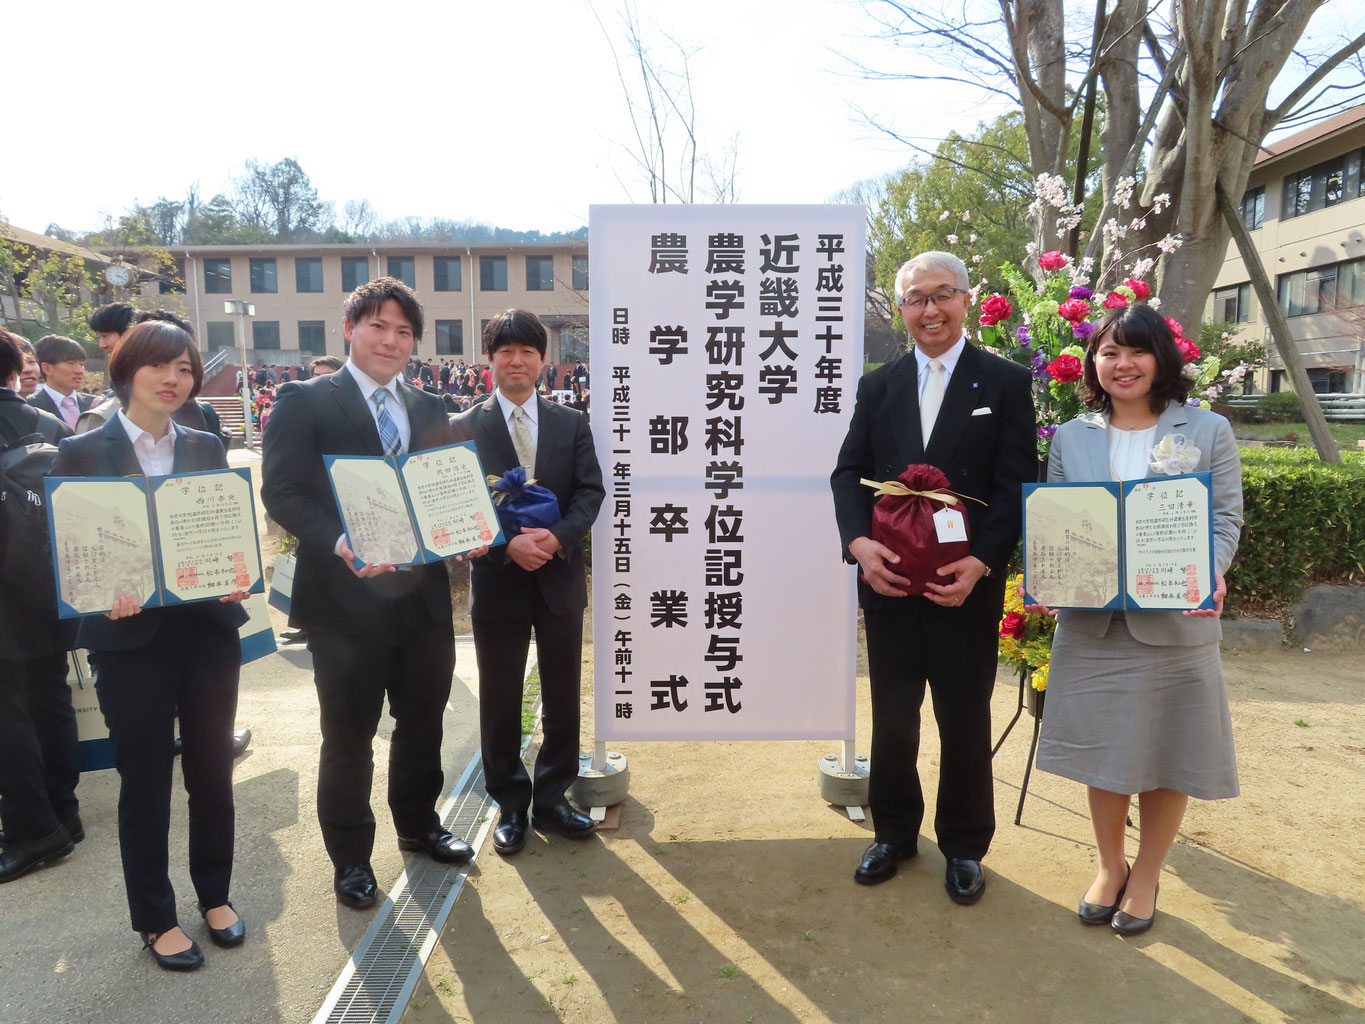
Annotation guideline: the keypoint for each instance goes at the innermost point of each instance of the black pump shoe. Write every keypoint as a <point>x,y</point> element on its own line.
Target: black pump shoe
<point>1098,913</point>
<point>233,935</point>
<point>1127,924</point>
<point>186,960</point>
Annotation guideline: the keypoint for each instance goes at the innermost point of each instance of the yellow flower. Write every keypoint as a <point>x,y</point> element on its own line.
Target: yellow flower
<point>1040,677</point>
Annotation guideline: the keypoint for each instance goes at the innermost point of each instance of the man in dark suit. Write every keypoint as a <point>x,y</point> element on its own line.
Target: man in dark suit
<point>62,362</point>
<point>536,581</point>
<point>969,413</point>
<point>374,630</point>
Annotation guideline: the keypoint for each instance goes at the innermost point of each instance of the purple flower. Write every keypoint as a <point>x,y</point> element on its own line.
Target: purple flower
<point>1022,334</point>
<point>1195,402</point>
<point>1083,329</point>
<point>1080,292</point>
<point>1046,431</point>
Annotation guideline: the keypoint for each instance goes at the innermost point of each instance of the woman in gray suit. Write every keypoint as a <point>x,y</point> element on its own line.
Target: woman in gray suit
<point>1136,699</point>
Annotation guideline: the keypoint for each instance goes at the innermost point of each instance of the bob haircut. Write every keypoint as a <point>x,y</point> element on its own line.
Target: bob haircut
<point>11,356</point>
<point>153,343</point>
<point>113,318</point>
<point>1139,327</point>
<point>942,262</point>
<point>515,327</point>
<point>369,298</point>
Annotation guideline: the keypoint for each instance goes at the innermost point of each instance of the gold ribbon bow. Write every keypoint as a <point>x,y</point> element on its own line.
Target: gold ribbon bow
<point>899,490</point>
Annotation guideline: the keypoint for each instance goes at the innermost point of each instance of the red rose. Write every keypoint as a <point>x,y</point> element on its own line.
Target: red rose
<point>1074,310</point>
<point>1014,625</point>
<point>1115,301</point>
<point>1175,327</point>
<point>1065,369</point>
<point>1188,349</point>
<point>995,309</point>
<point>1054,260</point>
<point>1140,288</point>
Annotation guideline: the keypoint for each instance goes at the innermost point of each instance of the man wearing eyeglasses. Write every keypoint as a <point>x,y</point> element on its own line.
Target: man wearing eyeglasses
<point>970,413</point>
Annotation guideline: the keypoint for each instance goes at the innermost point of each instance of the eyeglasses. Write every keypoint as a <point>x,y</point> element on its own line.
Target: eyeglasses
<point>940,298</point>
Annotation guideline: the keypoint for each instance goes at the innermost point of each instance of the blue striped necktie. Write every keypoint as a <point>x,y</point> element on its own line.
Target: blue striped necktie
<point>388,431</point>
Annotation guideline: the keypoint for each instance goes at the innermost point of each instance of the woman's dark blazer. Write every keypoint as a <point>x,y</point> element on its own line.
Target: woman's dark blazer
<point>108,452</point>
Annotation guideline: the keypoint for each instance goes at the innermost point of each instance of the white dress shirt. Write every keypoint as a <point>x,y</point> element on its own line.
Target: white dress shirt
<point>157,458</point>
<point>509,407</point>
<point>948,359</point>
<point>393,405</point>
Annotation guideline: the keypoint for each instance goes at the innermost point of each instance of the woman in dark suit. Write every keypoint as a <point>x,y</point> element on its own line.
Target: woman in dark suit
<point>156,662</point>
<point>1135,699</point>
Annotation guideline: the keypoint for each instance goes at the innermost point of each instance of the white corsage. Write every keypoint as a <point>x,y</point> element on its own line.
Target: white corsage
<point>1174,455</point>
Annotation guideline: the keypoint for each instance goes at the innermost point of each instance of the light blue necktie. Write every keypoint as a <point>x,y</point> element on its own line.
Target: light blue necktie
<point>388,431</point>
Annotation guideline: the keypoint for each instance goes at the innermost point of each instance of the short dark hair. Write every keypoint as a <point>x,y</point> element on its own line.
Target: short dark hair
<point>1140,327</point>
<point>167,316</point>
<point>368,298</point>
<point>11,356</point>
<point>55,348</point>
<point>152,344</point>
<point>334,362</point>
<point>515,327</point>
<point>113,318</point>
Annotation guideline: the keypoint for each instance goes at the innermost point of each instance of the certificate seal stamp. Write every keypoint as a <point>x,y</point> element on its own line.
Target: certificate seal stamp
<point>1146,587</point>
<point>187,576</point>
<point>440,537</point>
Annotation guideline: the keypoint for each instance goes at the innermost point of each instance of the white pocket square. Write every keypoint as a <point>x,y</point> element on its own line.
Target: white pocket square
<point>985,410</point>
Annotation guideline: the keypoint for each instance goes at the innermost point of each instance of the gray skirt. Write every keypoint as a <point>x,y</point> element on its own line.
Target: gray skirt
<point>1127,717</point>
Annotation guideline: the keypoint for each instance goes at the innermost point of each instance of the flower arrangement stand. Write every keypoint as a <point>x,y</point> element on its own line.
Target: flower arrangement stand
<point>1033,700</point>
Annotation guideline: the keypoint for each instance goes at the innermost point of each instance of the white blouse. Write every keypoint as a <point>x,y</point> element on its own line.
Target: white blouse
<point>1130,452</point>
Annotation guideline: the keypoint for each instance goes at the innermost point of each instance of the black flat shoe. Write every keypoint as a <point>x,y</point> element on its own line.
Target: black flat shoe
<point>881,861</point>
<point>1127,924</point>
<point>75,827</point>
<point>439,845</point>
<point>562,820</point>
<point>186,960</point>
<point>241,739</point>
<point>355,886</point>
<point>20,856</point>
<point>510,834</point>
<point>1098,913</point>
<point>233,935</point>
<point>964,881</point>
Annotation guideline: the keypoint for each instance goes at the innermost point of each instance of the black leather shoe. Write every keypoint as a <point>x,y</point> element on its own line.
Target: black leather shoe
<point>241,739</point>
<point>439,845</point>
<point>1127,924</point>
<point>881,861</point>
<point>177,747</point>
<point>355,886</point>
<point>1097,913</point>
<point>510,834</point>
<point>74,827</point>
<point>562,820</point>
<point>233,935</point>
<point>22,856</point>
<point>964,881</point>
<point>185,960</point>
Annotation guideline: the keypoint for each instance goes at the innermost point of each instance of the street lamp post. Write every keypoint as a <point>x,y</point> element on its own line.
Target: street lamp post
<point>241,309</point>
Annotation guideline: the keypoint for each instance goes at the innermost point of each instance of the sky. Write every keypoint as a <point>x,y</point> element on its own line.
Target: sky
<point>504,113</point>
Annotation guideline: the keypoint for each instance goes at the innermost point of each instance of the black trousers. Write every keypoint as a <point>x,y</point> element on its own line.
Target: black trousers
<point>352,674</point>
<point>39,758</point>
<point>191,667</point>
<point>502,640</point>
<point>953,650</point>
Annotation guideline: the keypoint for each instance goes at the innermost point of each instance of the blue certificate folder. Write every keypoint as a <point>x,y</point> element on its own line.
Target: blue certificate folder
<point>1135,545</point>
<point>169,540</point>
<point>416,508</point>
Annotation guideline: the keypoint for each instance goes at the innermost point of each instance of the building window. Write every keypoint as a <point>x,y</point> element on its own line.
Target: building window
<point>405,269</point>
<point>313,336</point>
<point>573,344</point>
<point>1233,303</point>
<point>540,273</point>
<point>450,337</point>
<point>1327,380</point>
<point>1323,289</point>
<point>173,278</point>
<point>265,335</point>
<point>221,335</point>
<point>580,273</point>
<point>493,273</point>
<point>446,273</point>
<point>1324,185</point>
<point>1253,208</point>
<point>263,277</point>
<point>308,274</point>
<point>355,271</point>
<point>218,276</point>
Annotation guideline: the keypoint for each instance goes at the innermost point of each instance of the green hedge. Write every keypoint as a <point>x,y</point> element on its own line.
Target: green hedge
<point>1305,524</point>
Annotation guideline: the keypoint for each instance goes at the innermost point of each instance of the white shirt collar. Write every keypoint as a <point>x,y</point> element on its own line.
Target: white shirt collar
<point>58,398</point>
<point>948,359</point>
<point>144,443</point>
<point>368,385</point>
<point>508,405</point>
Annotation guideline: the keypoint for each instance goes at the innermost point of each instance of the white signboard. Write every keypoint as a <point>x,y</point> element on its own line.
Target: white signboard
<point>727,343</point>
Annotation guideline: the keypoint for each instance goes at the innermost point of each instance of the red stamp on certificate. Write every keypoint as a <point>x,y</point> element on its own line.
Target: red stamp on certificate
<point>440,537</point>
<point>187,576</point>
<point>241,579</point>
<point>1191,584</point>
<point>1145,585</point>
<point>485,534</point>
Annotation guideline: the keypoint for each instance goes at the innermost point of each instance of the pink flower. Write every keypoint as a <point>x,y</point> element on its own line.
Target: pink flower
<point>1065,369</point>
<point>1115,301</point>
<point>1074,310</point>
<point>1188,349</point>
<point>995,309</point>
<point>1054,260</point>
<point>1140,288</point>
<point>1175,327</point>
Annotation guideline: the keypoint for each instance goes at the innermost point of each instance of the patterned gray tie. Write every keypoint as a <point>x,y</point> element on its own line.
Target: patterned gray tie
<point>389,438</point>
<point>521,439</point>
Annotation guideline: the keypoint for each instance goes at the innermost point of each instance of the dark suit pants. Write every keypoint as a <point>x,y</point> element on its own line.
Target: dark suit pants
<point>39,759</point>
<point>191,666</point>
<point>954,650</point>
<point>352,674</point>
<point>501,644</point>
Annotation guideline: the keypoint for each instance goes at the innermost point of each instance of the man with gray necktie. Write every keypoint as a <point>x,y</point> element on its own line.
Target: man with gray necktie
<point>970,413</point>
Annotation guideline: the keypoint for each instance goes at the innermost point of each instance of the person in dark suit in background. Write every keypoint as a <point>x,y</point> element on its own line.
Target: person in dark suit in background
<point>156,662</point>
<point>62,362</point>
<point>536,581</point>
<point>969,413</point>
<point>371,631</point>
<point>39,761</point>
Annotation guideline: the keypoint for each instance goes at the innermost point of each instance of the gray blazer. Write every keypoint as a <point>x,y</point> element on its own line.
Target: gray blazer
<point>1080,452</point>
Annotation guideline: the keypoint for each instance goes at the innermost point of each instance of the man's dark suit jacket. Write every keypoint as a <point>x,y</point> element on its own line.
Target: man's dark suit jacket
<point>108,452</point>
<point>40,399</point>
<point>984,455</point>
<point>328,416</point>
<point>567,465</point>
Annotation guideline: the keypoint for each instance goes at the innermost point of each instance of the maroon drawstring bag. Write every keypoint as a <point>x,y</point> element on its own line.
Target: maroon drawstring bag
<point>904,522</point>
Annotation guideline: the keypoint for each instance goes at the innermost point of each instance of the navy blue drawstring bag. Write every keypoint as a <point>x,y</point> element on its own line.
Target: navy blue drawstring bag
<point>521,502</point>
